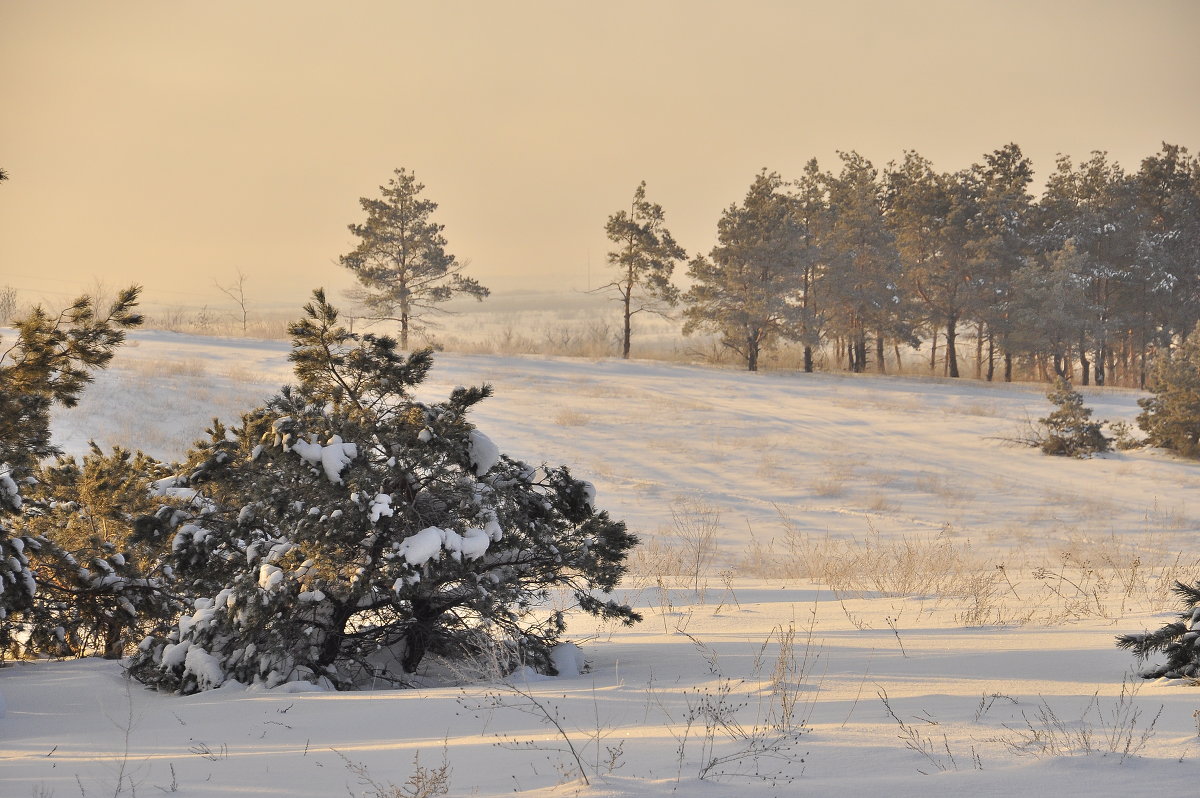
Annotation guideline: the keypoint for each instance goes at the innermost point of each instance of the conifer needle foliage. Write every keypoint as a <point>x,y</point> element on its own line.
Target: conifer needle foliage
<point>1177,640</point>
<point>50,363</point>
<point>1171,417</point>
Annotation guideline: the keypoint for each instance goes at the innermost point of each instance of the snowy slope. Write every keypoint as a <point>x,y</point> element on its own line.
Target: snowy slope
<point>912,469</point>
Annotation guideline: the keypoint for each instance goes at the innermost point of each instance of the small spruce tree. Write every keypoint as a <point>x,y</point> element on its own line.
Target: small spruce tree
<point>1171,417</point>
<point>1069,430</point>
<point>344,531</point>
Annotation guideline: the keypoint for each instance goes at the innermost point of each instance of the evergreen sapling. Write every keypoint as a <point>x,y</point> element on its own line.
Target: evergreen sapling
<point>1069,430</point>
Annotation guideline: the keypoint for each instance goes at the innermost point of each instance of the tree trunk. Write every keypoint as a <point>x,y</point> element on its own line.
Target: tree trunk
<point>335,634</point>
<point>628,327</point>
<point>114,642</point>
<point>860,352</point>
<point>1085,366</point>
<point>979,351</point>
<point>991,356</point>
<point>418,634</point>
<point>933,351</point>
<point>951,352</point>
<point>808,359</point>
<point>879,353</point>
<point>1008,363</point>
<point>752,352</point>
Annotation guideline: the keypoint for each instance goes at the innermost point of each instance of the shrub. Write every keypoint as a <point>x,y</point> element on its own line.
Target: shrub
<point>345,530</point>
<point>1171,417</point>
<point>101,586</point>
<point>1069,430</point>
<point>49,364</point>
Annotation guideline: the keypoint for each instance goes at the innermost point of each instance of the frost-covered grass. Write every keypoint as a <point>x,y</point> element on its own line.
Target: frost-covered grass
<point>813,545</point>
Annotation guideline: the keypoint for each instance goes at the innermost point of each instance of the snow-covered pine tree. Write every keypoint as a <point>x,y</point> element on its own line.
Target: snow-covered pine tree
<point>860,282</point>
<point>1069,429</point>
<point>345,530</point>
<point>49,363</point>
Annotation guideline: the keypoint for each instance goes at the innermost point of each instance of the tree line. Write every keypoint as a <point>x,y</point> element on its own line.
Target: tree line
<point>1091,280</point>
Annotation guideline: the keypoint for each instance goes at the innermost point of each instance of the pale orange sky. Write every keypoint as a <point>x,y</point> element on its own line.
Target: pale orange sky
<point>173,143</point>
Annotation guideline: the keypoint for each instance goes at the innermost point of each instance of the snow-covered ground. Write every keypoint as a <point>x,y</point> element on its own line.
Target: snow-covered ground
<point>874,538</point>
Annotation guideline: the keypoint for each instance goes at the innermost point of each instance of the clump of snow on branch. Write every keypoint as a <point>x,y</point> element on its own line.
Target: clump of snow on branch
<point>424,546</point>
<point>10,496</point>
<point>483,452</point>
<point>332,457</point>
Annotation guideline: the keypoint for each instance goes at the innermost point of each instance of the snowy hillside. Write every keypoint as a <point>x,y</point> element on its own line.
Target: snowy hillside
<point>852,585</point>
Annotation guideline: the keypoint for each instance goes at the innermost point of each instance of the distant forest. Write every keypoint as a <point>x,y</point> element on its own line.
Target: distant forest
<point>1090,281</point>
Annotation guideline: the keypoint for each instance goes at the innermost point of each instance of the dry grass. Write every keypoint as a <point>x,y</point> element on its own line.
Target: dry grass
<point>881,503</point>
<point>567,417</point>
<point>831,478</point>
<point>1086,578</point>
<point>158,367</point>
<point>944,487</point>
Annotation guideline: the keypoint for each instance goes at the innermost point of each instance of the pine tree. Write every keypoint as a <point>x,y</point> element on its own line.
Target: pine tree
<point>401,261</point>
<point>345,530</point>
<point>1168,188</point>
<point>749,292</point>
<point>861,269</point>
<point>930,214</point>
<point>101,584</point>
<point>1069,430</point>
<point>812,213</point>
<point>50,363</point>
<point>1093,206</point>
<point>1171,417</point>
<point>1000,241</point>
<point>644,259</point>
<point>1053,317</point>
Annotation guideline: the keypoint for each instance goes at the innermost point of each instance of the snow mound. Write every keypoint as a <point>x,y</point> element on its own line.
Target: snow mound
<point>568,660</point>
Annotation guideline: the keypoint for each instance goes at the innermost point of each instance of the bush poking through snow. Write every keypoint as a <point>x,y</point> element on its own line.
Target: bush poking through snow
<point>423,783</point>
<point>345,531</point>
<point>1069,430</point>
<point>1171,417</point>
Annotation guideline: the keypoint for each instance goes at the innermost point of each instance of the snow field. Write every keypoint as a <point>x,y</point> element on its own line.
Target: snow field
<point>812,543</point>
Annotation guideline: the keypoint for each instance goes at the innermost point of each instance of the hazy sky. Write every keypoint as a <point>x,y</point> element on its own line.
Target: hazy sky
<point>174,143</point>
